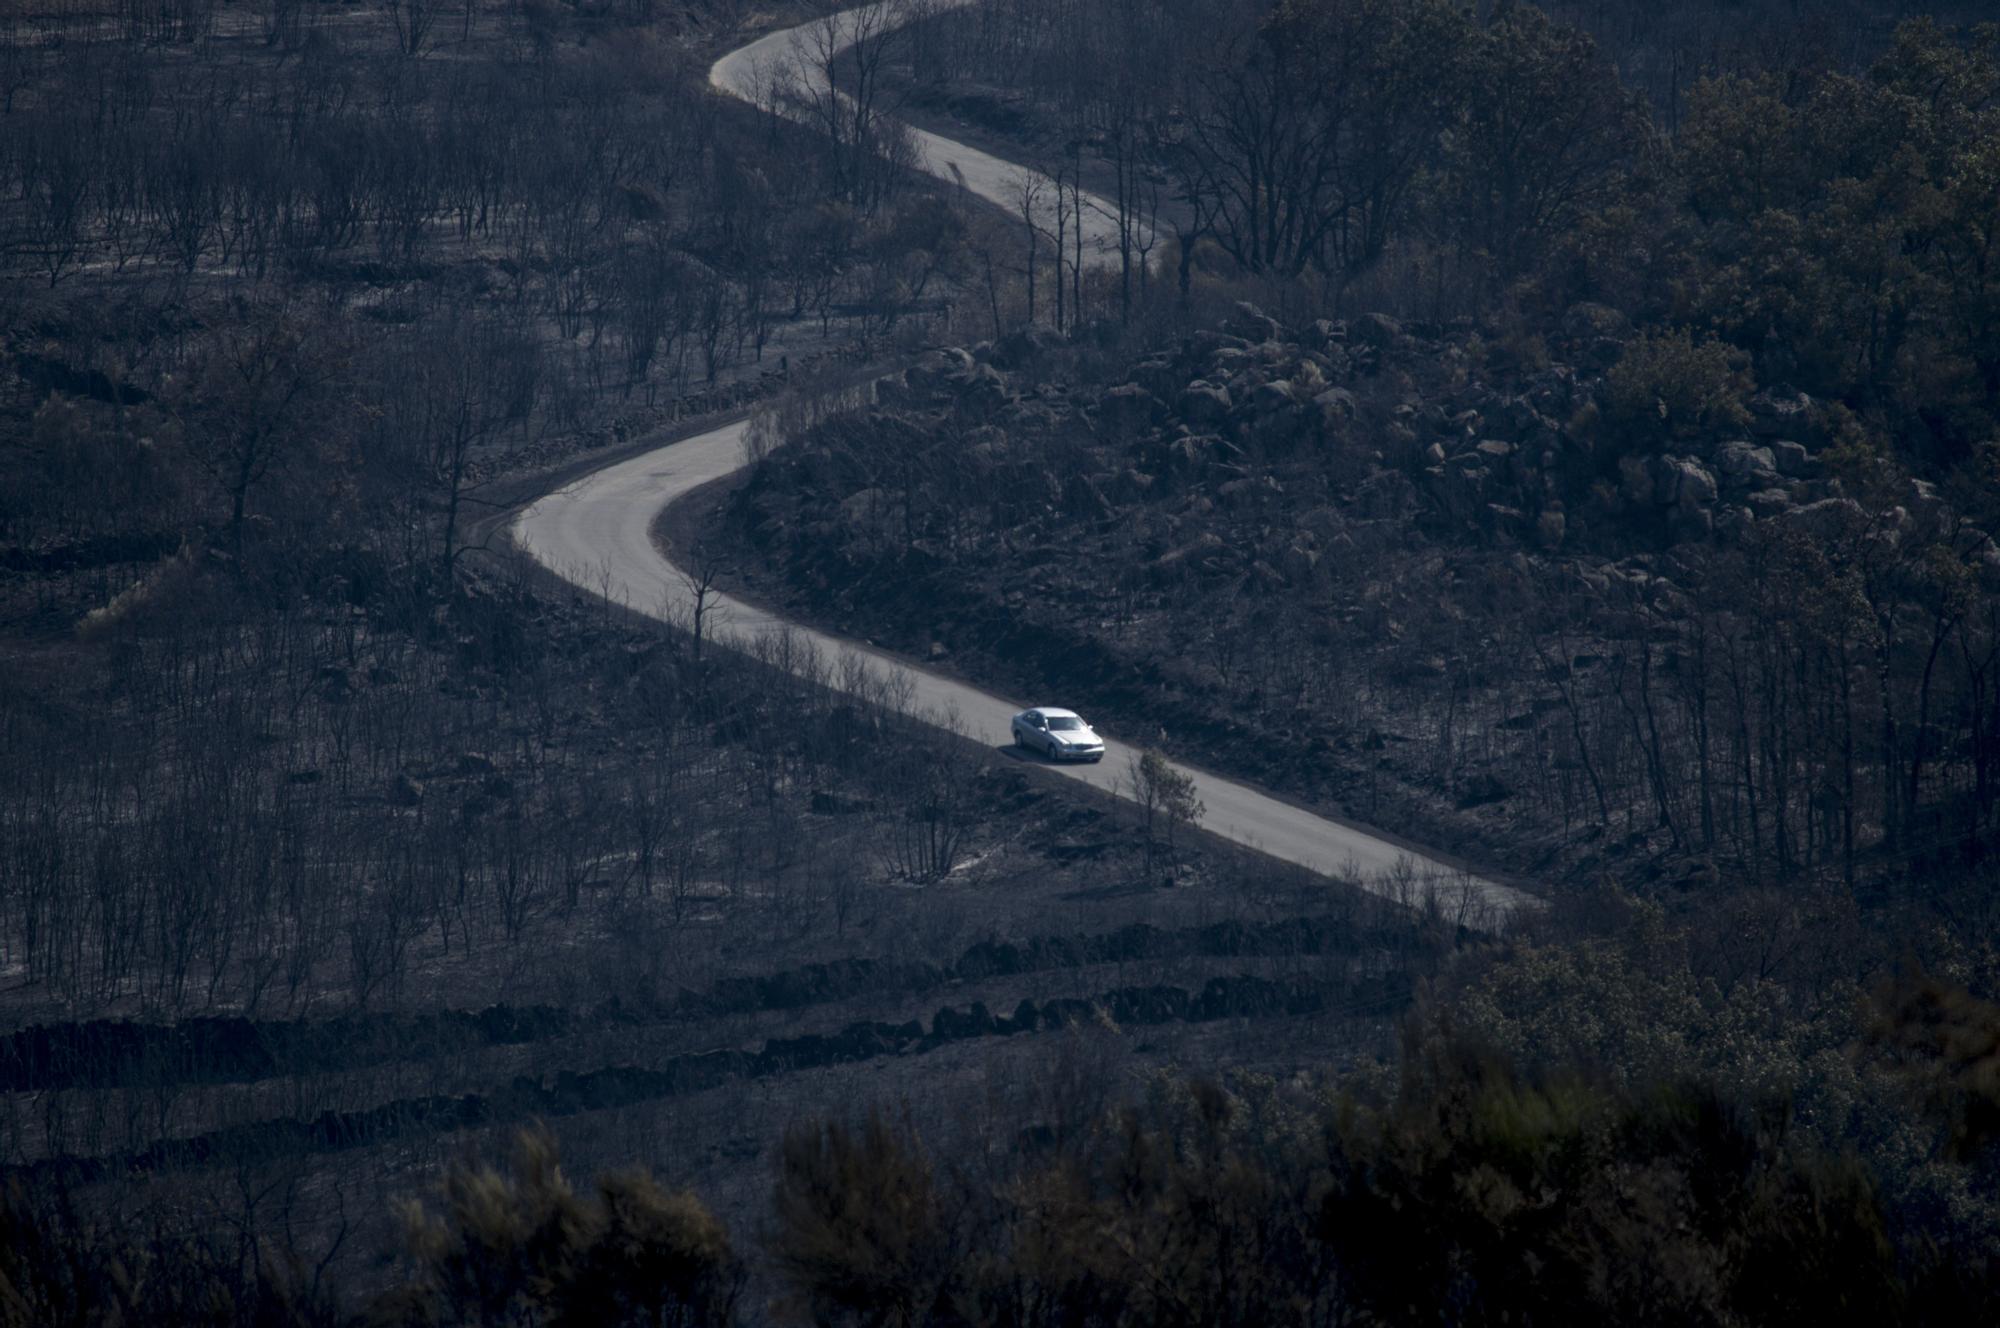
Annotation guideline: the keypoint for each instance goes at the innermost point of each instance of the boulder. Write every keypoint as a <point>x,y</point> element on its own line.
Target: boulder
<point>1252,324</point>
<point>891,389</point>
<point>1768,504</point>
<point>1693,523</point>
<point>1128,407</point>
<point>1270,398</point>
<point>1202,402</point>
<point>1377,330</point>
<point>1228,361</point>
<point>1200,345</point>
<point>1494,451</point>
<point>1336,406</point>
<point>938,367</point>
<point>1793,460</point>
<point>1746,463</point>
<point>1191,452</point>
<point>1733,526</point>
<point>1159,378</point>
<point>1325,332</point>
<point>1780,412</point>
<point>1829,518</point>
<point>1188,555</point>
<point>1925,503</point>
<point>1684,483</point>
<point>1023,348</point>
<point>985,392</point>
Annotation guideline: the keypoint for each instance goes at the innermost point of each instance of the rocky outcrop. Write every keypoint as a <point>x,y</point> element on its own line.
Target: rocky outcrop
<point>1416,431</point>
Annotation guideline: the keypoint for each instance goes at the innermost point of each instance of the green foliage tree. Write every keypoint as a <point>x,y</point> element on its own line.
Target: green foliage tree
<point>1196,1209</point>
<point>1737,151</point>
<point>1669,1205</point>
<point>1546,137</point>
<point>1478,1190</point>
<point>1944,1043</point>
<point>1670,385</point>
<point>1845,227</point>
<point>1167,802</point>
<point>862,1232</point>
<point>522,1247</point>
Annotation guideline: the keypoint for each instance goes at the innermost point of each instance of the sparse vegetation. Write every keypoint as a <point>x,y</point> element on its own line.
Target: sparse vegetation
<point>1562,435</point>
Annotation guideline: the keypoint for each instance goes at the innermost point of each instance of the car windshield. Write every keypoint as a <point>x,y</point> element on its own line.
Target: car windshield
<point>1064,723</point>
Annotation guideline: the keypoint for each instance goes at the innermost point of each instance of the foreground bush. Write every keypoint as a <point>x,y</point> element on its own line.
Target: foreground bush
<point>523,1247</point>
<point>1477,1193</point>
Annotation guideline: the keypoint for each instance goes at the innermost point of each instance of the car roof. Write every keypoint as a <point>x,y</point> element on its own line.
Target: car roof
<point>1053,712</point>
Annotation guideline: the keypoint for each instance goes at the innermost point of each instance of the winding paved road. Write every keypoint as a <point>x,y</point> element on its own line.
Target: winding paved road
<point>753,72</point>
<point>597,532</point>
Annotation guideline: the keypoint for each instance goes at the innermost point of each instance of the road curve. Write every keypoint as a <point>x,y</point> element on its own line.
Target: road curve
<point>754,73</point>
<point>598,533</point>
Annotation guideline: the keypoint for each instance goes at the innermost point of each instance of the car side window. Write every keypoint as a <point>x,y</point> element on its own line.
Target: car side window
<point>1038,721</point>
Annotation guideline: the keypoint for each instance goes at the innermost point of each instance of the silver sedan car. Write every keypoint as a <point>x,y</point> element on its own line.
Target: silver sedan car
<point>1060,735</point>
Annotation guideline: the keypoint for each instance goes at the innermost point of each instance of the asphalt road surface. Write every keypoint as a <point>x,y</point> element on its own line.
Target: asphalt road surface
<point>597,533</point>
<point>756,73</point>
